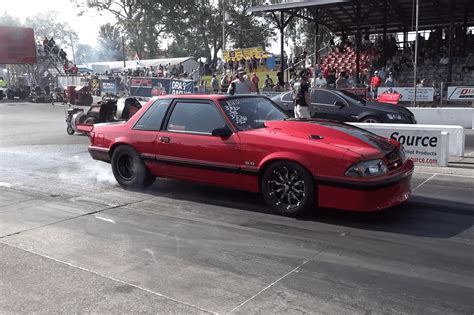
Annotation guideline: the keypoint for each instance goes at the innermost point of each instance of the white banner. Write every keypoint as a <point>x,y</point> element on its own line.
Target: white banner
<point>423,147</point>
<point>461,93</point>
<point>407,94</point>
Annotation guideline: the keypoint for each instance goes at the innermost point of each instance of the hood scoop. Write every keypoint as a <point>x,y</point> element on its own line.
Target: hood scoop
<point>315,137</point>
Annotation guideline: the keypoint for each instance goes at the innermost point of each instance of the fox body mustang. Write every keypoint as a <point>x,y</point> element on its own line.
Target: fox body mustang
<point>248,143</point>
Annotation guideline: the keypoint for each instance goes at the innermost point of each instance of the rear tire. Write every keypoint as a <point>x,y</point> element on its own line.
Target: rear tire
<point>288,188</point>
<point>90,120</point>
<point>129,169</point>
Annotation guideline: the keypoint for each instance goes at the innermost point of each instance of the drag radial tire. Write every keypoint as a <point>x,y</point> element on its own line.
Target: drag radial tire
<point>288,188</point>
<point>129,169</point>
<point>90,120</point>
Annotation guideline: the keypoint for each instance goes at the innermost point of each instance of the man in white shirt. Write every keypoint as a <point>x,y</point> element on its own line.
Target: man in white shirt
<point>239,85</point>
<point>320,81</point>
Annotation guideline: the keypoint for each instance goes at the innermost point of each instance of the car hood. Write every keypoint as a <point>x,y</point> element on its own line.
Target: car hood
<point>333,133</point>
<point>389,108</point>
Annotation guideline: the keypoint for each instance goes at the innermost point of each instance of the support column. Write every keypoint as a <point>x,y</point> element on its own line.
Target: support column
<point>358,40</point>
<point>451,42</point>
<point>384,50</point>
<point>282,41</point>
<point>405,37</point>
<point>316,43</point>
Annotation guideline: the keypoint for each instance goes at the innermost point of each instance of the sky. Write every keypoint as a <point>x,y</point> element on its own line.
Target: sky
<point>86,26</point>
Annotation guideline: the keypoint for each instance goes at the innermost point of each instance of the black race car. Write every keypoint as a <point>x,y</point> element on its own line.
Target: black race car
<point>342,105</point>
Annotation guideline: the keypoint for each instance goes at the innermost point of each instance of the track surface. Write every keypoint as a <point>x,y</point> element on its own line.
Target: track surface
<point>71,240</point>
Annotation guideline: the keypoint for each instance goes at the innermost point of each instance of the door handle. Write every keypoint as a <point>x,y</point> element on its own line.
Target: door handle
<point>165,139</point>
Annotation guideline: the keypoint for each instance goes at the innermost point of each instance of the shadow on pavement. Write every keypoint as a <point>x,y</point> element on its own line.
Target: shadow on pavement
<point>419,216</point>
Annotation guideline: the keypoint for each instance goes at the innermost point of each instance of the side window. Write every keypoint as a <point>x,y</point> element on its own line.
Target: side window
<point>288,97</point>
<point>153,117</point>
<point>325,97</point>
<point>199,118</point>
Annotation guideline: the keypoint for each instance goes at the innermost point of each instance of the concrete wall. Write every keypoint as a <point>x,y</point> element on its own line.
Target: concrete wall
<point>462,116</point>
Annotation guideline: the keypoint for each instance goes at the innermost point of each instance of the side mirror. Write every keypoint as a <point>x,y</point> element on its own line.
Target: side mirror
<point>223,132</point>
<point>339,104</point>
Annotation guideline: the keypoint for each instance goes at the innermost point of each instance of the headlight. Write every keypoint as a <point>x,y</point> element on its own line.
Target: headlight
<point>367,169</point>
<point>395,116</point>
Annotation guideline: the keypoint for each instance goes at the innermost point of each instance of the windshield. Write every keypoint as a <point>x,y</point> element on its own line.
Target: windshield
<point>249,113</point>
<point>353,96</point>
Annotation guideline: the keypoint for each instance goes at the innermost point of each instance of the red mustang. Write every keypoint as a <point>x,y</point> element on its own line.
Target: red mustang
<point>247,143</point>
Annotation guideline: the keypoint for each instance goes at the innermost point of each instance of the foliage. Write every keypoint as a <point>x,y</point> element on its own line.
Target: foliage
<point>8,20</point>
<point>110,42</point>
<point>45,24</point>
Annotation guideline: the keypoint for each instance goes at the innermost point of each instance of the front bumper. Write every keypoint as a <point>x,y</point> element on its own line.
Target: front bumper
<point>369,195</point>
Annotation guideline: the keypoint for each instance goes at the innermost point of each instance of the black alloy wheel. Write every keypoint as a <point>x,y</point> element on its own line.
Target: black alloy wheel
<point>129,169</point>
<point>288,188</point>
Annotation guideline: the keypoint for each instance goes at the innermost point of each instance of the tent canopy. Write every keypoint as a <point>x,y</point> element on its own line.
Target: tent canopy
<point>133,64</point>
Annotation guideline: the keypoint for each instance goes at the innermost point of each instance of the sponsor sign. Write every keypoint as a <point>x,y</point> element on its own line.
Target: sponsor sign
<point>423,147</point>
<point>108,86</point>
<point>182,87</point>
<point>246,53</point>
<point>407,94</point>
<point>17,45</point>
<point>146,87</point>
<point>461,93</point>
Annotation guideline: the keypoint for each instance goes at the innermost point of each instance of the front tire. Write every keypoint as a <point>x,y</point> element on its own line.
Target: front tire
<point>288,188</point>
<point>129,169</point>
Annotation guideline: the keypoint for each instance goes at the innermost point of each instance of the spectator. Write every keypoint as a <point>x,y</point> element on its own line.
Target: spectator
<point>45,46</point>
<point>215,84</point>
<point>331,79</point>
<point>320,81</point>
<point>390,81</point>
<point>444,60</point>
<point>301,98</point>
<point>63,55</point>
<point>254,83</point>
<point>224,82</point>
<point>375,82</point>
<point>341,82</point>
<point>280,77</point>
<point>239,85</point>
<point>268,84</point>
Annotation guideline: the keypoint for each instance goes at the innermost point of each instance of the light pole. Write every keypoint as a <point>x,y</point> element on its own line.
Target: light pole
<point>223,28</point>
<point>123,51</point>
<point>416,54</point>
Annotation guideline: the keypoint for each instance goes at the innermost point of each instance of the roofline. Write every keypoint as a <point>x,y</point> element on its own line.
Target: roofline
<point>294,5</point>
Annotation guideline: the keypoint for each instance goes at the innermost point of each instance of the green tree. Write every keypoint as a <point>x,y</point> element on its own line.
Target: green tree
<point>110,42</point>
<point>46,25</point>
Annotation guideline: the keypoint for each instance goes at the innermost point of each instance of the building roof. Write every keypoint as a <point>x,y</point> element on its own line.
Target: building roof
<point>340,15</point>
<point>132,64</point>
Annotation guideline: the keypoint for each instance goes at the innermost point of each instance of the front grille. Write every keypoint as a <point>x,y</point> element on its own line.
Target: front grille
<point>394,160</point>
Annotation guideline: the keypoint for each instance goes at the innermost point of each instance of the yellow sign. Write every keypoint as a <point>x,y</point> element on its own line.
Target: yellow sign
<point>246,53</point>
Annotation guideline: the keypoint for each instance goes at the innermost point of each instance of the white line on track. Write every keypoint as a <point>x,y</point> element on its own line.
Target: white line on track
<point>442,174</point>
<point>104,219</point>
<point>112,278</point>
<point>425,181</point>
<point>274,282</point>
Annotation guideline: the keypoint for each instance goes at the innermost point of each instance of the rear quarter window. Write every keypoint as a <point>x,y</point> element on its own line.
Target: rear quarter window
<point>152,119</point>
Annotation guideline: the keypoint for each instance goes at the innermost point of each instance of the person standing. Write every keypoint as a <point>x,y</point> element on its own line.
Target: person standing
<point>301,97</point>
<point>390,82</point>
<point>320,81</point>
<point>215,84</point>
<point>255,80</point>
<point>375,82</point>
<point>341,82</point>
<point>239,85</point>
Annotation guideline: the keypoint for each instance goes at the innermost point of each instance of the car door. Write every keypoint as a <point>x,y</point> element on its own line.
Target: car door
<point>146,131</point>
<point>186,148</point>
<point>287,102</point>
<point>328,105</point>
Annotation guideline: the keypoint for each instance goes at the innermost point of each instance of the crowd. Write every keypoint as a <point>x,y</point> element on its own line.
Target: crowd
<point>50,51</point>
